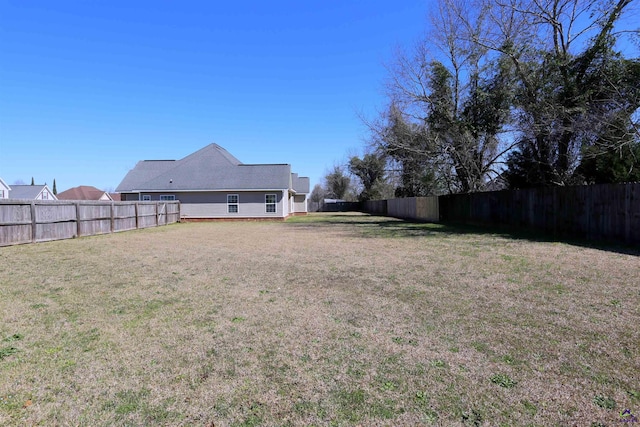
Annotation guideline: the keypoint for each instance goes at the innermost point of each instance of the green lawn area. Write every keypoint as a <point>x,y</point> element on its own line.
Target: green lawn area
<point>326,320</point>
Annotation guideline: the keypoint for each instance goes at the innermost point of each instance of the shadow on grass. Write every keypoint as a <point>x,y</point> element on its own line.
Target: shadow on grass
<point>370,226</point>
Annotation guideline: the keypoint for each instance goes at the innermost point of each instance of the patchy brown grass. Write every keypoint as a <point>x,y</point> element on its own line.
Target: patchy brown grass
<point>321,320</point>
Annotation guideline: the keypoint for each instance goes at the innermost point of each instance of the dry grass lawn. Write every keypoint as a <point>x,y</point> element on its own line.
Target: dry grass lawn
<point>327,320</point>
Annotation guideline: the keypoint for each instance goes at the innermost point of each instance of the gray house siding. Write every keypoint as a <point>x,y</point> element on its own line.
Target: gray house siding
<point>213,204</point>
<point>251,204</point>
<point>299,203</point>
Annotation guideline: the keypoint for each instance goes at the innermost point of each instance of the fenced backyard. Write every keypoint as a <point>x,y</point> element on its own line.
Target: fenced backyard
<point>24,221</point>
<point>325,320</point>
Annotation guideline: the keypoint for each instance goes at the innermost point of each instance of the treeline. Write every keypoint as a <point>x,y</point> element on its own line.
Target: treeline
<point>513,94</point>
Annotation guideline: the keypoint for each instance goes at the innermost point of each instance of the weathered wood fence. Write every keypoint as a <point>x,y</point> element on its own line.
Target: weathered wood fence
<point>606,212</point>
<point>27,221</point>
<point>419,208</point>
<point>609,212</point>
<point>415,208</point>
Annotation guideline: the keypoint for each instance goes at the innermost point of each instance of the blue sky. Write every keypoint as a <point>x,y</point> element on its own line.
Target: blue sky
<point>88,88</point>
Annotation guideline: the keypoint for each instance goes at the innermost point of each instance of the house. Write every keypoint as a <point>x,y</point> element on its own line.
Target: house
<point>4,190</point>
<point>84,192</point>
<point>211,183</point>
<point>31,192</point>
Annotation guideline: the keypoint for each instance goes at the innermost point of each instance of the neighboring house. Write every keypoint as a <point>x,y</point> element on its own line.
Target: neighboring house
<point>84,192</point>
<point>211,183</point>
<point>31,192</point>
<point>4,190</point>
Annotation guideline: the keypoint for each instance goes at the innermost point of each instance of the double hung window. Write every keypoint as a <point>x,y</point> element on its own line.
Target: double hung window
<point>270,203</point>
<point>232,203</point>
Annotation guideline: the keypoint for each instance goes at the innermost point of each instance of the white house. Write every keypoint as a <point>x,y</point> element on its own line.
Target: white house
<point>4,190</point>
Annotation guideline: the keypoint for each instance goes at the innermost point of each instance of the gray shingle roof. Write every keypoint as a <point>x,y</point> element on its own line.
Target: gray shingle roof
<point>211,168</point>
<point>144,171</point>
<point>300,184</point>
<point>25,192</point>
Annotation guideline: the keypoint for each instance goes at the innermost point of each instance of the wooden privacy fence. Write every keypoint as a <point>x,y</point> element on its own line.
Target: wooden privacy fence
<point>375,207</point>
<point>27,221</point>
<point>416,208</point>
<point>606,212</point>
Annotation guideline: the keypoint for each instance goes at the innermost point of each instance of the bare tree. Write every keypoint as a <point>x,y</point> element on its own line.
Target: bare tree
<point>563,61</point>
<point>449,103</point>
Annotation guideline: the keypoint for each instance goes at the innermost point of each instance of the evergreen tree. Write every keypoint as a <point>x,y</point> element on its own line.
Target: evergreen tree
<point>371,171</point>
<point>614,157</point>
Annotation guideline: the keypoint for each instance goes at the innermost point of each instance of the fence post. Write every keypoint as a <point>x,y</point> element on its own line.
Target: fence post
<point>33,221</point>
<point>589,226</point>
<point>554,209</point>
<point>136,213</point>
<point>627,214</point>
<point>113,208</point>
<point>77,205</point>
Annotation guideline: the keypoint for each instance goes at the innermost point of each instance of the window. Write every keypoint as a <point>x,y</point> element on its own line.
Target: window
<point>166,197</point>
<point>146,197</point>
<point>1,194</point>
<point>232,203</point>
<point>270,203</point>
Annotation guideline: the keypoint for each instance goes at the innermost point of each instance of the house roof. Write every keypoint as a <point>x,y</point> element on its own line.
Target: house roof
<point>210,168</point>
<point>83,192</point>
<point>300,184</point>
<point>26,192</point>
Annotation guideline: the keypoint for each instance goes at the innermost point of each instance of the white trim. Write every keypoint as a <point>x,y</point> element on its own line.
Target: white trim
<point>285,203</point>
<point>46,192</point>
<point>5,185</point>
